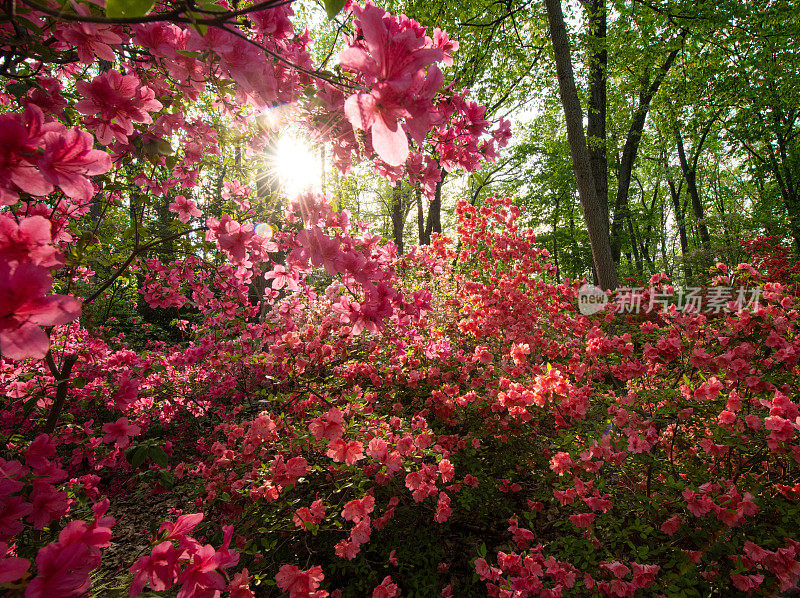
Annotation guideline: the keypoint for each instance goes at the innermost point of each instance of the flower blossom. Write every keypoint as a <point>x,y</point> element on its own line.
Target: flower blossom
<point>113,102</point>
<point>120,432</point>
<point>184,208</point>
<point>392,60</point>
<point>25,306</point>
<point>299,583</point>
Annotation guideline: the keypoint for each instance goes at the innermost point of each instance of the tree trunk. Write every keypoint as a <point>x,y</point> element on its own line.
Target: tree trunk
<point>636,257</point>
<point>689,173</point>
<point>645,243</point>
<point>786,181</point>
<point>420,220</point>
<point>398,219</point>
<point>555,238</point>
<point>434,224</point>
<point>663,236</point>
<point>598,81</point>
<point>679,218</point>
<point>630,151</point>
<point>593,212</point>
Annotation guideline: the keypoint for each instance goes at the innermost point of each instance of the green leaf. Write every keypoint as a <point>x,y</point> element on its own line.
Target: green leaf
<point>211,7</point>
<point>333,7</point>
<point>28,24</point>
<point>30,404</point>
<point>128,9</point>
<point>167,479</point>
<point>138,456</point>
<point>80,381</point>
<point>201,29</point>
<point>158,456</point>
<point>18,88</point>
<point>164,147</point>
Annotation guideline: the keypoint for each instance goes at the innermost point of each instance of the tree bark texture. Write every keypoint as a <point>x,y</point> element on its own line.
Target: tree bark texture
<point>593,211</point>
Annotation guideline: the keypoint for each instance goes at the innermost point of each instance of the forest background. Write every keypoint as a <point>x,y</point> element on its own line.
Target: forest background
<point>691,119</point>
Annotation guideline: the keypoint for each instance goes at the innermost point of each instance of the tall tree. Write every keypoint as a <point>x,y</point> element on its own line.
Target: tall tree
<point>597,56</point>
<point>398,215</point>
<point>631,149</point>
<point>594,212</point>
<point>689,170</point>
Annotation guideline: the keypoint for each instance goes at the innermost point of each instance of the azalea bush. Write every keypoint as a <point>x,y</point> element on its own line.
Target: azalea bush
<point>315,414</point>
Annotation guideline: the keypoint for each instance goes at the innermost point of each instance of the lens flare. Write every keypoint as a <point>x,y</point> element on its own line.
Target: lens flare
<point>297,165</point>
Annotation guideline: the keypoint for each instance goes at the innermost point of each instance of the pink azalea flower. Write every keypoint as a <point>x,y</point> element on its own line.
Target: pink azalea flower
<point>184,208</point>
<point>443,510</point>
<point>747,583</point>
<point>361,532</point>
<point>582,519</point>
<point>38,454</point>
<point>47,97</point>
<point>380,112</point>
<point>62,571</point>
<point>274,22</point>
<point>322,250</point>
<point>162,39</point>
<point>116,101</point>
<point>182,526</point>
<point>447,45</point>
<point>128,391</point>
<point>63,567</point>
<point>297,582</point>
<point>159,569</point>
<point>200,578</point>
<point>68,158</point>
<point>239,587</point>
<point>486,572</point>
<point>330,427</point>
<point>11,567</point>
<point>345,452</point>
<point>561,463</point>
<point>225,556</point>
<point>25,305</point>
<point>392,62</point>
<point>89,39</point>
<point>616,568</point>
<point>503,133</point>
<point>313,515</point>
<point>282,278</point>
<point>386,589</point>
<point>48,504</point>
<point>119,432</point>
<point>30,240</point>
<point>378,449</point>
<point>356,510</point>
<point>20,138</point>
<point>446,470</point>
<point>230,236</point>
<point>347,550</point>
<point>12,510</point>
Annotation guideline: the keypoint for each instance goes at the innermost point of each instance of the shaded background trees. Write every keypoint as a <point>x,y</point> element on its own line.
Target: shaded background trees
<point>689,113</point>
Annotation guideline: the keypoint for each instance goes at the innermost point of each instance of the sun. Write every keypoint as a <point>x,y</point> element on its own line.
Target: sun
<point>297,165</point>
